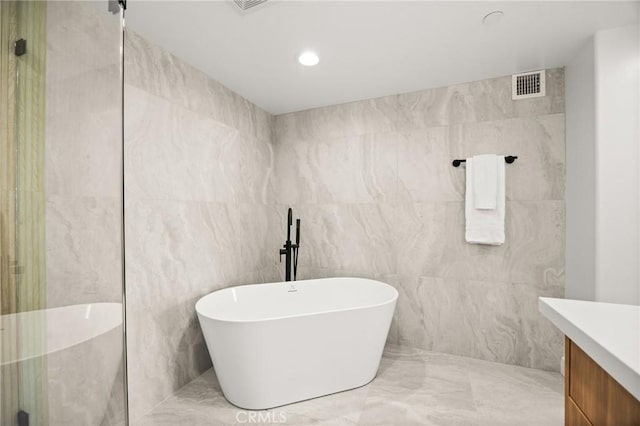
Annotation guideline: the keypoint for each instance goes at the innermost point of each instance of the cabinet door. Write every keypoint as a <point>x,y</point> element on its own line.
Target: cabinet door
<point>602,400</point>
<point>573,415</point>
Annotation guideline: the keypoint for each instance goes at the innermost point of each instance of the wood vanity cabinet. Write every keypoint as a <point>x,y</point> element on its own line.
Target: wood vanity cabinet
<point>592,396</point>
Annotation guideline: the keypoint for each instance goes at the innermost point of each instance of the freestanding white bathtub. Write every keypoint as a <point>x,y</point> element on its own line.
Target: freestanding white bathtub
<point>274,344</point>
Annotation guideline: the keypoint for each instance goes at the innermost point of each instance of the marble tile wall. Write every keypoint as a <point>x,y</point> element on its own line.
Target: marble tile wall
<point>83,155</point>
<point>198,167</point>
<point>83,206</point>
<point>373,184</point>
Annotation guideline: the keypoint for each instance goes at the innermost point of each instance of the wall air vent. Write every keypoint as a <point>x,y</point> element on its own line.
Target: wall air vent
<point>248,4</point>
<point>528,85</point>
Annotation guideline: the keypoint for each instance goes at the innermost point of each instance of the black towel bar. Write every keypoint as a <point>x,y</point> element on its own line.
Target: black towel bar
<point>508,159</point>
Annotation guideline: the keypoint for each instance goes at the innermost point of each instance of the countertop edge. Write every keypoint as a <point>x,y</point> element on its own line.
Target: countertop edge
<point>621,372</point>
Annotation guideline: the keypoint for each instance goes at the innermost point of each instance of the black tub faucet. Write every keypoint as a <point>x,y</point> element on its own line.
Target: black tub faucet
<point>289,250</point>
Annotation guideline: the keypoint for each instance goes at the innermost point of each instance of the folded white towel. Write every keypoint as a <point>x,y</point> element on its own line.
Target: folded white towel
<point>485,226</point>
<point>485,181</point>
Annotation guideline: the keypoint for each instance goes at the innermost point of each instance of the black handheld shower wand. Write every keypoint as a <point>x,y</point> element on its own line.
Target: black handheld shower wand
<point>289,250</point>
<point>295,250</point>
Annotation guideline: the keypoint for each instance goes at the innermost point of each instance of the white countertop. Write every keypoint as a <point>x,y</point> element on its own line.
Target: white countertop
<point>609,333</point>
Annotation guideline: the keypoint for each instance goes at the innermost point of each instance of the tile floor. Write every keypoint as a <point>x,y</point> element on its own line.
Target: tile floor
<point>413,387</point>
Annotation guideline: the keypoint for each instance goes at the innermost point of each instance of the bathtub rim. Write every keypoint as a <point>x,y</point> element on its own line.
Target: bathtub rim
<point>199,312</point>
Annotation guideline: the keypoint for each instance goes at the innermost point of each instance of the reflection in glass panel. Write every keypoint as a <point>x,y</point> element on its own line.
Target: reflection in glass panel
<point>61,214</point>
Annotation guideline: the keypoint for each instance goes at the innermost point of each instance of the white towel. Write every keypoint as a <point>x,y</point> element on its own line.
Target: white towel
<point>485,181</point>
<point>485,226</point>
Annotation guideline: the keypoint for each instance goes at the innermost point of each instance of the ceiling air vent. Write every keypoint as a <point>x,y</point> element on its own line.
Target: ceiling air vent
<point>528,85</point>
<point>248,4</point>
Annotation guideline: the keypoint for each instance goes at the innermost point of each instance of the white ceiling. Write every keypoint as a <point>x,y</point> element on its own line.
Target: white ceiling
<point>367,48</point>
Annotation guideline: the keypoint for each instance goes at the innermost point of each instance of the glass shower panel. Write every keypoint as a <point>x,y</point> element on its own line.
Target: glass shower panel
<point>61,246</point>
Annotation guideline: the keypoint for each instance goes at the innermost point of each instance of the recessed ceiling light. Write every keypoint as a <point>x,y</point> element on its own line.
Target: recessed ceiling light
<point>308,58</point>
<point>493,18</point>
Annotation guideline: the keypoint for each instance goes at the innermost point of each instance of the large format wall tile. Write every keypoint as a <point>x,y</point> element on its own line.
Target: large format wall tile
<point>162,74</point>
<point>84,380</point>
<point>430,241</point>
<point>81,41</point>
<point>486,100</point>
<point>84,138</point>
<point>424,166</point>
<point>208,187</point>
<point>359,169</point>
<point>471,300</point>
<point>167,147</point>
<point>354,238</point>
<point>198,166</point>
<point>487,320</point>
<point>202,246</point>
<point>83,207</point>
<point>351,119</point>
<point>173,153</point>
<point>83,156</point>
<point>84,250</point>
<point>538,142</point>
<point>183,250</point>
